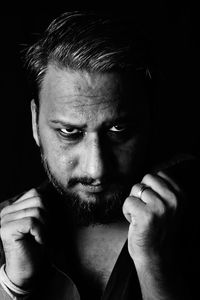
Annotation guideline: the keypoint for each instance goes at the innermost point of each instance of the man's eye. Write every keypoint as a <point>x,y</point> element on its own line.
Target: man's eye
<point>70,132</point>
<point>119,133</point>
<point>118,128</point>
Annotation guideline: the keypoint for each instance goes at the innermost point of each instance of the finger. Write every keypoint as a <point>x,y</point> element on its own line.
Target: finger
<point>23,204</point>
<point>132,208</point>
<point>153,200</point>
<point>161,188</point>
<point>34,212</point>
<point>31,193</point>
<point>170,181</point>
<point>17,230</point>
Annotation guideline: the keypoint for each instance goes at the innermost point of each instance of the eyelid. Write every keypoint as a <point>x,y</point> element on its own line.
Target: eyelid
<point>72,135</point>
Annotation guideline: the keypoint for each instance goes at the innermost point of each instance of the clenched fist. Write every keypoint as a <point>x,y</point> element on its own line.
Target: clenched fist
<point>152,215</point>
<point>22,232</point>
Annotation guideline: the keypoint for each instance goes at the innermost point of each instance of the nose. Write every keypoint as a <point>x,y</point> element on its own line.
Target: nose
<point>92,158</point>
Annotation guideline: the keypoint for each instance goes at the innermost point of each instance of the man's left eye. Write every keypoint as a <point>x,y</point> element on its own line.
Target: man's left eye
<point>118,128</point>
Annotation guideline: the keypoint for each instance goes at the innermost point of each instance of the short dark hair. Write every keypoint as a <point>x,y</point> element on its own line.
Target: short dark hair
<point>88,41</point>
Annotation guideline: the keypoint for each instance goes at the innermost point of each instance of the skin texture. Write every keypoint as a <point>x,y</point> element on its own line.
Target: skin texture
<point>90,151</point>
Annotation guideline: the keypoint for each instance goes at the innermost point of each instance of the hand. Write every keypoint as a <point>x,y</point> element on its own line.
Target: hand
<point>22,233</point>
<point>151,217</point>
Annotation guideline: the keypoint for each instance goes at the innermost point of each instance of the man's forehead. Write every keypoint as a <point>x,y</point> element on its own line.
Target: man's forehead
<point>64,89</point>
<point>62,83</point>
<point>71,96</point>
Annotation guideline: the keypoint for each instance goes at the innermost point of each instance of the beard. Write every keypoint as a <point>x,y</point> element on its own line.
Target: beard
<point>104,209</point>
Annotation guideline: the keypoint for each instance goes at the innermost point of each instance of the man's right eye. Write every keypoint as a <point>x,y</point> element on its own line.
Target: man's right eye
<point>70,133</point>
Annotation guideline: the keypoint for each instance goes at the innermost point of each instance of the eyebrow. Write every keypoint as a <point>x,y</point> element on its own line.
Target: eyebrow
<point>67,124</point>
<point>124,118</point>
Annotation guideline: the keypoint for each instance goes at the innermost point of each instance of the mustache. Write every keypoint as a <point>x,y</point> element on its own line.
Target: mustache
<point>90,181</point>
<point>86,181</point>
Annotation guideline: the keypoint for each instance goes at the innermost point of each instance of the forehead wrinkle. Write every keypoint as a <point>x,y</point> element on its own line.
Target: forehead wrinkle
<point>94,111</point>
<point>85,100</point>
<point>105,104</point>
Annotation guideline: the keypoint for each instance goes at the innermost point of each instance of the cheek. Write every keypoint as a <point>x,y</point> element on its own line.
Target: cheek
<point>130,155</point>
<point>60,158</point>
<point>125,158</point>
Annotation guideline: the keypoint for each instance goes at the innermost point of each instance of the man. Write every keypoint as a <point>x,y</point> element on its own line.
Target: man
<point>100,227</point>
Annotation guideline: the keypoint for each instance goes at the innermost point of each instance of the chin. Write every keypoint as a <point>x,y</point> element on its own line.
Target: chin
<point>94,208</point>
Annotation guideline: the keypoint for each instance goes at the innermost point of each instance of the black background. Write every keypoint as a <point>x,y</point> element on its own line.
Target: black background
<point>174,32</point>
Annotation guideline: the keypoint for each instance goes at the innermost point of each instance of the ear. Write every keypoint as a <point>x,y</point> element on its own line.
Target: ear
<point>34,122</point>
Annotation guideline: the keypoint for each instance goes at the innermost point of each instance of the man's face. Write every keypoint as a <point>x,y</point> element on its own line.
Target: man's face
<point>92,129</point>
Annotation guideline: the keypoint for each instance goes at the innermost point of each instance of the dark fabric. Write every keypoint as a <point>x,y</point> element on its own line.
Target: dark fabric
<point>123,283</point>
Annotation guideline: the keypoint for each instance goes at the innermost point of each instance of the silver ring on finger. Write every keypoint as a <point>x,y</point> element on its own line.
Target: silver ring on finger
<point>142,188</point>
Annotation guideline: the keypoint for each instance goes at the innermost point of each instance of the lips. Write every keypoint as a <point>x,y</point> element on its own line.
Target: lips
<point>92,188</point>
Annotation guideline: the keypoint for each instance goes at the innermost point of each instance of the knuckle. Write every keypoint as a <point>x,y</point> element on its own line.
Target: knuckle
<point>173,200</point>
<point>126,204</point>
<point>3,211</point>
<point>161,211</point>
<point>157,208</point>
<point>33,192</point>
<point>148,177</point>
<point>128,201</point>
<point>27,195</point>
<point>135,188</point>
<point>3,220</point>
